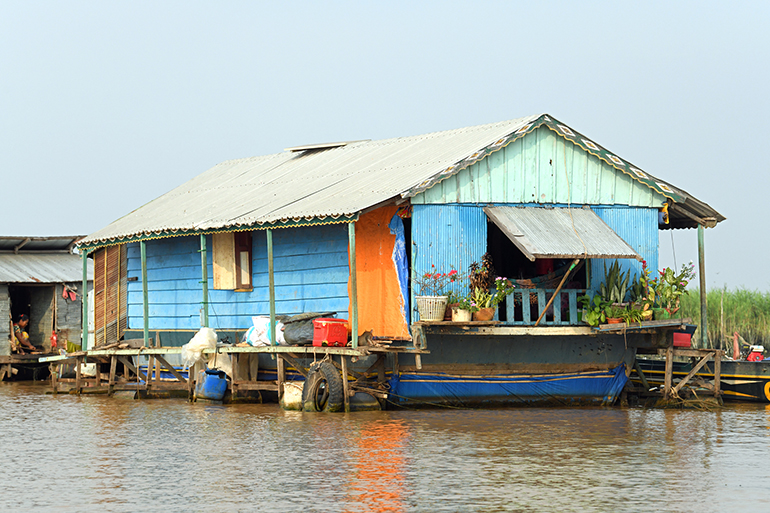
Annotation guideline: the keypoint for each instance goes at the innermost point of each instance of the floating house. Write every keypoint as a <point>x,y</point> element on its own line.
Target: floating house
<point>42,278</point>
<point>347,227</point>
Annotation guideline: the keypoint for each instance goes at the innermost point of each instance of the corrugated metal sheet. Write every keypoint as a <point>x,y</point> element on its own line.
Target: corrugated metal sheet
<point>446,237</point>
<point>42,268</point>
<point>559,233</point>
<point>328,183</point>
<point>338,181</point>
<point>24,244</point>
<point>639,228</point>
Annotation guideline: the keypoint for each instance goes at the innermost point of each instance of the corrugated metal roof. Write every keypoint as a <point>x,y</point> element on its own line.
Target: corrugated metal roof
<point>337,181</point>
<point>24,244</point>
<point>42,268</point>
<point>340,181</point>
<point>559,233</point>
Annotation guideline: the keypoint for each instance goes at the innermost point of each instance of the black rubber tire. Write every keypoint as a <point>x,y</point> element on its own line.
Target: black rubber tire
<point>323,389</point>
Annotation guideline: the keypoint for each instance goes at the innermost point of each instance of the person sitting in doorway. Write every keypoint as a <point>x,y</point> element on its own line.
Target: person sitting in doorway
<point>20,340</point>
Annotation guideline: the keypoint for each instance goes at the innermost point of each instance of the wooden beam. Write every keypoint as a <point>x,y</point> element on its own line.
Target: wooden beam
<point>692,373</point>
<point>641,375</point>
<point>295,363</point>
<point>170,368</point>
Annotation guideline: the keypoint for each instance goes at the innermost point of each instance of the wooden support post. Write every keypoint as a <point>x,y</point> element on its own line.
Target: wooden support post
<point>692,373</point>
<point>281,376</point>
<point>204,282</point>
<point>145,295</point>
<point>345,385</point>
<point>157,363</point>
<point>702,271</point>
<point>418,361</point>
<point>395,365</point>
<point>78,365</point>
<point>113,369</point>
<point>669,370</point>
<point>192,375</point>
<point>271,291</point>
<point>353,284</point>
<point>54,369</point>
<point>718,374</point>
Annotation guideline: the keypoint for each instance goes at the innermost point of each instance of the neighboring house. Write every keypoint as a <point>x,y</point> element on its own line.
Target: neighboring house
<point>526,191</point>
<point>42,278</point>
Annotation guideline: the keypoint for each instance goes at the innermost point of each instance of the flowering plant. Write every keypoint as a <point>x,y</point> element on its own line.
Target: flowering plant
<point>643,290</point>
<point>433,283</point>
<point>671,286</point>
<point>486,299</point>
<point>466,303</point>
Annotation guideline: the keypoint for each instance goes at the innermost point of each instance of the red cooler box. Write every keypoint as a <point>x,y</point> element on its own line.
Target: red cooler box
<point>330,332</point>
<point>682,339</point>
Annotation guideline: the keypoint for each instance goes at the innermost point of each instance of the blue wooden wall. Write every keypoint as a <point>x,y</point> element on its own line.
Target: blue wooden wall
<point>311,274</point>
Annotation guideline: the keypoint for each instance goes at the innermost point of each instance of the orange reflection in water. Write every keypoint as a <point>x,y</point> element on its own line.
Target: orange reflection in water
<point>377,483</point>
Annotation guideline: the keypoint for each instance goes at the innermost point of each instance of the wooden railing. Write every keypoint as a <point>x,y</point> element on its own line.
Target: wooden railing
<point>524,306</point>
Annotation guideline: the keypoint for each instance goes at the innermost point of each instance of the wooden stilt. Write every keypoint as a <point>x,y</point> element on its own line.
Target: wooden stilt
<point>669,370</point>
<point>345,386</point>
<point>718,374</point>
<point>281,376</point>
<point>78,365</point>
<point>113,369</point>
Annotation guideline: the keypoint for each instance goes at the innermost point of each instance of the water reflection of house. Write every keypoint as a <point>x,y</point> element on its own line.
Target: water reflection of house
<point>276,231</point>
<point>42,278</point>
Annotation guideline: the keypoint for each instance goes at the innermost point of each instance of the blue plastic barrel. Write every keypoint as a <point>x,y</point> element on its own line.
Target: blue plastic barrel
<point>211,385</point>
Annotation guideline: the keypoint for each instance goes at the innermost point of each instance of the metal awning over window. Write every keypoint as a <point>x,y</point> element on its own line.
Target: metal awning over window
<point>559,233</point>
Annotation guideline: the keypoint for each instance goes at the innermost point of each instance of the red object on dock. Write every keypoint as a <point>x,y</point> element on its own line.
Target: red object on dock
<point>330,332</point>
<point>682,339</point>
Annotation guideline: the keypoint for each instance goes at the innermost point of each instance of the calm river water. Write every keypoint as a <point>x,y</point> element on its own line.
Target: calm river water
<point>99,454</point>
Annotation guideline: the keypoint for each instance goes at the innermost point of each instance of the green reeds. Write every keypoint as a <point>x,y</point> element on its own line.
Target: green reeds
<point>741,310</point>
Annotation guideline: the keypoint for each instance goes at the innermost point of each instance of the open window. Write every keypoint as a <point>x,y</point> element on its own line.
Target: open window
<point>232,259</point>
<point>544,252</point>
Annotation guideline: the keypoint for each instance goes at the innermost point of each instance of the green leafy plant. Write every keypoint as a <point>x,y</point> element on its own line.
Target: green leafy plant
<point>672,286</point>
<point>615,285</point>
<point>593,309</point>
<point>643,289</point>
<point>631,316</point>
<point>482,298</point>
<point>615,312</point>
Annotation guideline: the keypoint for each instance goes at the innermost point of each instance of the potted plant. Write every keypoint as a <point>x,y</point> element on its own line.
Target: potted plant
<point>487,302</point>
<point>593,309</point>
<point>431,299</point>
<point>670,288</point>
<point>615,285</point>
<point>463,309</point>
<point>643,294</point>
<point>615,314</point>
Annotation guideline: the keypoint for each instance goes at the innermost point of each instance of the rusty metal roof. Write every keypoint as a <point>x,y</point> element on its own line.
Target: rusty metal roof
<point>42,268</point>
<point>541,232</point>
<point>327,182</point>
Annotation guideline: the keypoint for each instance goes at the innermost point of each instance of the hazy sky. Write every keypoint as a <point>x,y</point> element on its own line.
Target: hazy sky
<point>105,106</point>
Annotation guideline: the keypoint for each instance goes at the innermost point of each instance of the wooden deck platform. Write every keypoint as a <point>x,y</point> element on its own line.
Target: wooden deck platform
<point>244,386</point>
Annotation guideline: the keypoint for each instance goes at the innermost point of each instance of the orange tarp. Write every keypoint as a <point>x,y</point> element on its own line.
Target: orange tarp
<point>379,296</point>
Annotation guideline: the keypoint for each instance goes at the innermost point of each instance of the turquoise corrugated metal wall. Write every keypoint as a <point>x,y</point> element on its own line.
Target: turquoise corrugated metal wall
<point>447,237</point>
<point>639,228</point>
<point>311,274</point>
<point>532,170</point>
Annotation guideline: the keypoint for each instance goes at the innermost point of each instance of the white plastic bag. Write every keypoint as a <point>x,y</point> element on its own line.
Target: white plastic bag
<point>259,333</point>
<point>221,361</point>
<point>205,339</point>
